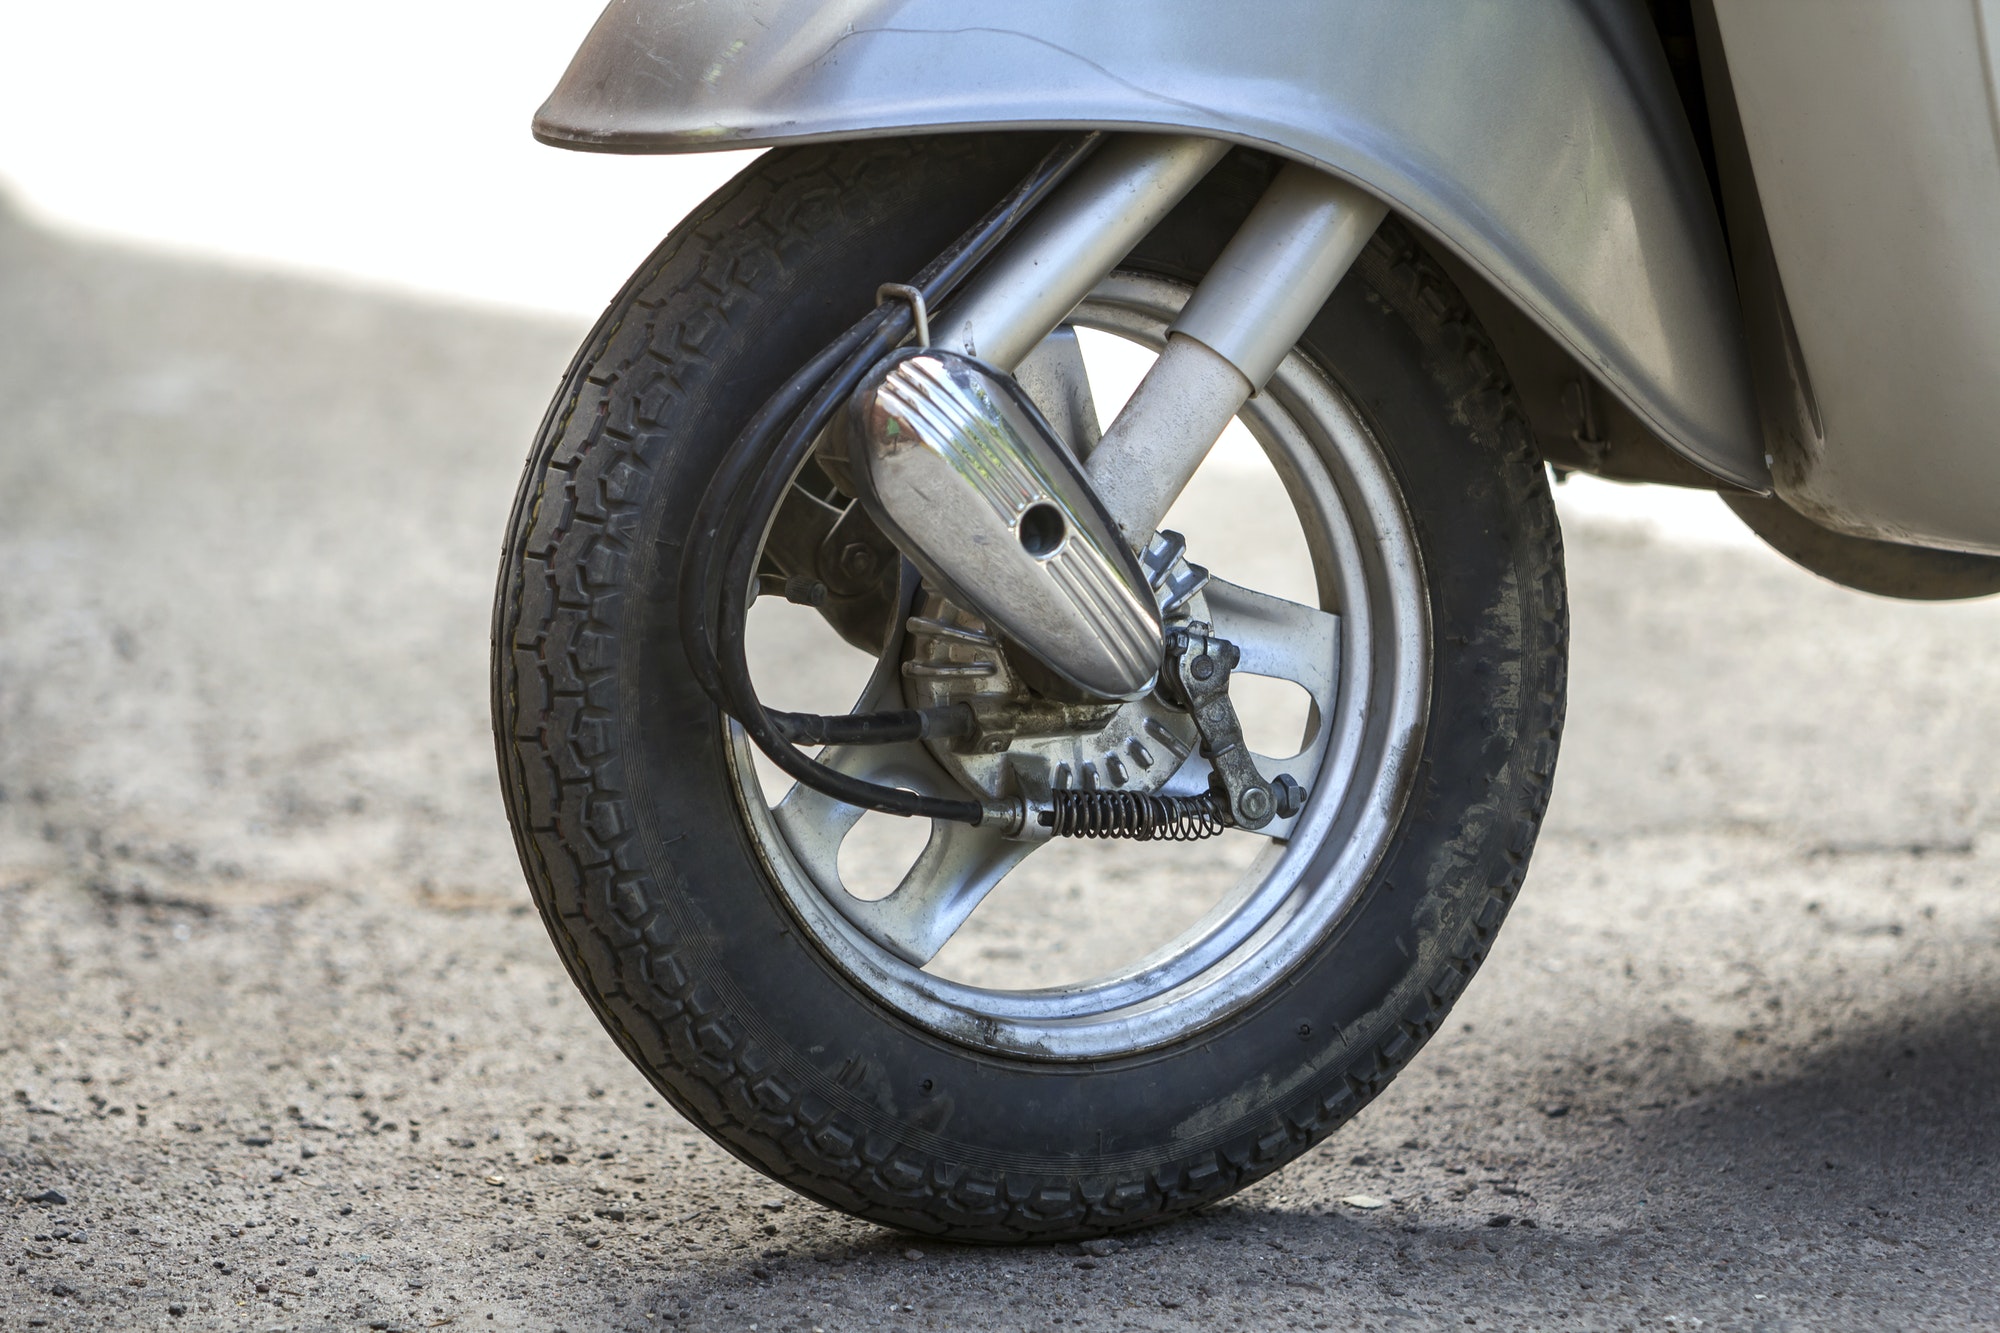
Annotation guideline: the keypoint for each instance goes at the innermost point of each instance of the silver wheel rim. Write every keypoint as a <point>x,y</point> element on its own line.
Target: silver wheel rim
<point>1372,701</point>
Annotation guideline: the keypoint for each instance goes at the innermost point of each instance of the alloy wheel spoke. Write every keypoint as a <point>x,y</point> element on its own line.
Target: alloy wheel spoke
<point>958,867</point>
<point>816,824</point>
<point>1280,638</point>
<point>1058,382</point>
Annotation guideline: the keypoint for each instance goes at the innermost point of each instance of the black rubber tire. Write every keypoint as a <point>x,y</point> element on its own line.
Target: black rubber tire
<point>613,767</point>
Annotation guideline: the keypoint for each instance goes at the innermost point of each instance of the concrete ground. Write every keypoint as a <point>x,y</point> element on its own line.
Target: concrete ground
<point>285,1047</point>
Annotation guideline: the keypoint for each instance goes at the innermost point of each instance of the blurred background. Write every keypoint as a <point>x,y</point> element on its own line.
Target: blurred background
<point>383,142</point>
<point>284,291</point>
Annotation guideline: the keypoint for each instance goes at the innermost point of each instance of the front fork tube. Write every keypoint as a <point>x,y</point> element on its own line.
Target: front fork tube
<point>1259,296</point>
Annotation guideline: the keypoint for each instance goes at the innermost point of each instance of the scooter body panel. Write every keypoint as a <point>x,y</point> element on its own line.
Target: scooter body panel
<point>1874,135</point>
<point>1543,143</point>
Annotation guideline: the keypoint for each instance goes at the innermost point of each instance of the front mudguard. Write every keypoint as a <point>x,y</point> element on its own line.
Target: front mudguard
<point>1541,141</point>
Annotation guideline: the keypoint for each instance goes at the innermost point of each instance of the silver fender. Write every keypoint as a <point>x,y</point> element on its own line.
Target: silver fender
<point>1539,140</point>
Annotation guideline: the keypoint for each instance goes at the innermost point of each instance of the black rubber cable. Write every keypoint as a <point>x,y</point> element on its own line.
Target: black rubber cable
<point>697,581</point>
<point>752,482</point>
<point>884,728</point>
<point>733,608</point>
<point>721,515</point>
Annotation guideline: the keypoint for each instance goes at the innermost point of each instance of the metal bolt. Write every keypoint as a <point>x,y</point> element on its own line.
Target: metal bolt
<point>1290,796</point>
<point>1202,668</point>
<point>1256,803</point>
<point>859,560</point>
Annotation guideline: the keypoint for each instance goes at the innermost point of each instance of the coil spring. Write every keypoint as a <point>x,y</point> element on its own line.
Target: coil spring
<point>1136,815</point>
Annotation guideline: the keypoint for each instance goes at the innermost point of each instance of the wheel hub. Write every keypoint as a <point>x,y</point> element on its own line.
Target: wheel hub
<point>1364,665</point>
<point>1028,744</point>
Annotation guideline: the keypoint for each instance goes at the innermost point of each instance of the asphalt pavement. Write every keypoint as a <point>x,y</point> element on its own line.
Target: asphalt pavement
<point>285,1047</point>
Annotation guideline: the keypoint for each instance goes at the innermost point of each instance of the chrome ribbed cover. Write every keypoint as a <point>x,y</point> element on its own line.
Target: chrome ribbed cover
<point>960,469</point>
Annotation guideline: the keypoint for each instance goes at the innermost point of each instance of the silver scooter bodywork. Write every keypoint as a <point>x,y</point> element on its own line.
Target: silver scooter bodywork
<point>1873,132</point>
<point>1541,143</point>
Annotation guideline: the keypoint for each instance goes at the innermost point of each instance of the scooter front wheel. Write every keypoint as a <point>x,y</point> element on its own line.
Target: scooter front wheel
<point>1247,996</point>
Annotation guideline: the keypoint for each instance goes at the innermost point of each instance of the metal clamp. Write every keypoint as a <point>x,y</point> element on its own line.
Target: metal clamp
<point>902,291</point>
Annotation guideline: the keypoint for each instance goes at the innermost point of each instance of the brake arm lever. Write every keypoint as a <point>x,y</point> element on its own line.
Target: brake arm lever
<point>1198,668</point>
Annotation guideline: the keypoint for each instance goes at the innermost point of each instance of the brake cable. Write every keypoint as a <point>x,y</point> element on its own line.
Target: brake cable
<point>757,471</point>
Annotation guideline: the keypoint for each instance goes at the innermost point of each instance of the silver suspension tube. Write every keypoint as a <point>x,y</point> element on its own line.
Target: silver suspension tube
<point>1271,279</point>
<point>1279,268</point>
<point>1071,242</point>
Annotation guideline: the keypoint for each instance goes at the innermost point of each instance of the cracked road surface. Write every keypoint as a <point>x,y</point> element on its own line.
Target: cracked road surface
<point>284,1046</point>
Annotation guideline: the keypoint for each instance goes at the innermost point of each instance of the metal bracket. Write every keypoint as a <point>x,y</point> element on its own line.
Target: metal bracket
<point>902,291</point>
<point>1198,665</point>
<point>999,720</point>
